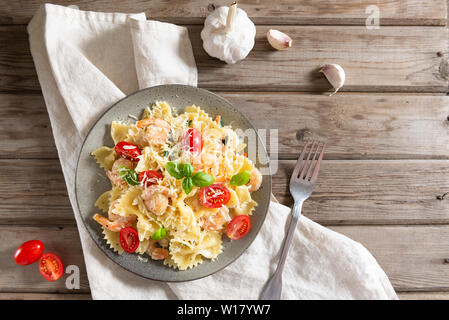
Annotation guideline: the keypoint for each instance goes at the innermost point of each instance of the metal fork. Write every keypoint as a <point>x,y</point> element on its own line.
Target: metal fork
<point>302,183</point>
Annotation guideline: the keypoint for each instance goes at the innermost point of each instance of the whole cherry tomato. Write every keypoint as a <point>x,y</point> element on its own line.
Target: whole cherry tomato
<point>28,252</point>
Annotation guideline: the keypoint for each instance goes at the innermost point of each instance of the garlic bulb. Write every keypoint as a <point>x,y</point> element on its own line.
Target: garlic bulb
<point>279,40</point>
<point>228,34</point>
<point>335,75</point>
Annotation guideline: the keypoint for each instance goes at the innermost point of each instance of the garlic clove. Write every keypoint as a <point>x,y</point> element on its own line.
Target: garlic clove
<point>279,40</point>
<point>335,75</point>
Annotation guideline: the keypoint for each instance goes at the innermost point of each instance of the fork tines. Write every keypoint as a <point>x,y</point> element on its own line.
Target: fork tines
<point>303,169</point>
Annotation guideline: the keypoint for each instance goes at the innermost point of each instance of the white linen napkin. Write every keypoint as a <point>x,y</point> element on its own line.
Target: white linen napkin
<point>86,61</point>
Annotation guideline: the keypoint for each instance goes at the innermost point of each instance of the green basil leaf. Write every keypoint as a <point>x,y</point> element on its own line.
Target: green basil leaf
<point>187,170</point>
<point>187,185</point>
<point>241,178</point>
<point>129,175</point>
<point>174,169</point>
<point>202,179</point>
<point>159,234</point>
<point>165,154</point>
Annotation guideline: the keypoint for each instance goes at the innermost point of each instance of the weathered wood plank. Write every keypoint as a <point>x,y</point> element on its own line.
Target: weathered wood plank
<point>373,192</point>
<point>348,192</point>
<point>355,126</point>
<point>44,296</point>
<point>25,130</point>
<point>413,257</point>
<point>396,12</point>
<point>388,59</point>
<point>17,71</point>
<point>63,241</point>
<point>424,296</point>
<point>66,296</point>
<point>34,191</point>
<point>391,59</point>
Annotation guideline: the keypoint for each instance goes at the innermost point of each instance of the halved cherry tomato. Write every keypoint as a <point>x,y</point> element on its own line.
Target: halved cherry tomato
<point>149,177</point>
<point>193,141</point>
<point>128,150</point>
<point>28,252</point>
<point>215,196</point>
<point>50,267</point>
<point>238,227</point>
<point>129,239</point>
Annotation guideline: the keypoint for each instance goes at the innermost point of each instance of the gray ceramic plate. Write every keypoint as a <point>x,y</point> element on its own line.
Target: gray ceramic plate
<point>90,185</point>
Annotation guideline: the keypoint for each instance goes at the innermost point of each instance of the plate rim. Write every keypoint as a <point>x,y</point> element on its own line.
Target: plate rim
<point>106,252</point>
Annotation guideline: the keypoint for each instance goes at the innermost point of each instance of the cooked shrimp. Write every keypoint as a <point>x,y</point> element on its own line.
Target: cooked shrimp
<point>164,242</point>
<point>114,174</point>
<point>196,163</point>
<point>255,180</point>
<point>112,216</point>
<point>220,179</point>
<point>156,130</point>
<point>209,158</point>
<point>156,253</point>
<point>216,221</point>
<point>115,225</point>
<point>155,199</point>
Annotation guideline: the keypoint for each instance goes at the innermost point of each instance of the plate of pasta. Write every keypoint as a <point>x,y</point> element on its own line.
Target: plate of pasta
<point>165,186</point>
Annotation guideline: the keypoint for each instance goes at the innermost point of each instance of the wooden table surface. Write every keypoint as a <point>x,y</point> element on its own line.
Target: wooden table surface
<point>387,131</point>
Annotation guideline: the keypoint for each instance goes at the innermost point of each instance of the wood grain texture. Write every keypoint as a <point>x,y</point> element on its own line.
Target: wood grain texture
<point>348,192</point>
<point>392,12</point>
<point>17,72</point>
<point>390,206</point>
<point>424,296</point>
<point>31,135</point>
<point>63,241</point>
<point>355,126</point>
<point>391,59</point>
<point>44,296</point>
<point>419,267</point>
<point>68,296</point>
<point>388,59</point>
<point>373,192</point>
<point>38,195</point>
<point>412,257</point>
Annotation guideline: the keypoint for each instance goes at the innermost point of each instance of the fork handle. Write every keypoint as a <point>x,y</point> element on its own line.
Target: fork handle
<point>296,213</point>
<point>273,288</point>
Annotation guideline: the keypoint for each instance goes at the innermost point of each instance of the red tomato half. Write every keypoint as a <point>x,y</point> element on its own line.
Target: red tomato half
<point>129,239</point>
<point>149,177</point>
<point>215,196</point>
<point>28,252</point>
<point>50,267</point>
<point>128,150</point>
<point>238,227</point>
<point>192,141</point>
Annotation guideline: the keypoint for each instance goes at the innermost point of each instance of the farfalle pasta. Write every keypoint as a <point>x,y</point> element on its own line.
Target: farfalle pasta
<point>179,183</point>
